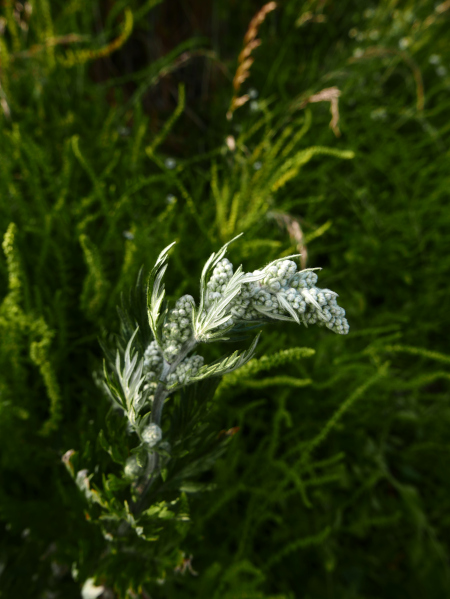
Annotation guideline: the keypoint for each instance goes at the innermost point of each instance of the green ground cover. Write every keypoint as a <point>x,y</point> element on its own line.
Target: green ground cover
<point>115,142</point>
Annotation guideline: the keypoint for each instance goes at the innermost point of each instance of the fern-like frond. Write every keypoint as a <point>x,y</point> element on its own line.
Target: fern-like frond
<point>276,381</point>
<point>96,285</point>
<point>250,369</point>
<point>417,351</point>
<point>296,545</point>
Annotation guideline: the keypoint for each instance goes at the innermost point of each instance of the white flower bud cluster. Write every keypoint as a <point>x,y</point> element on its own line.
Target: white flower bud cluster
<point>222,273</point>
<point>281,284</point>
<point>153,358</point>
<point>152,434</point>
<point>178,327</point>
<point>220,277</point>
<point>153,362</point>
<point>278,275</point>
<point>304,279</point>
<point>188,368</point>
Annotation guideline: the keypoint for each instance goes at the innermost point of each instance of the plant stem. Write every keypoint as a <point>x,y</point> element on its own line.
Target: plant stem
<point>156,415</point>
<point>161,391</point>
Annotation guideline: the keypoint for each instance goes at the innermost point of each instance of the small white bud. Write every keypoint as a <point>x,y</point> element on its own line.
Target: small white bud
<point>170,163</point>
<point>152,434</point>
<point>90,590</point>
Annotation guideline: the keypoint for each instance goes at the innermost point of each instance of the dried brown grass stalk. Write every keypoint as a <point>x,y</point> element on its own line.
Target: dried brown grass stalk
<point>442,7</point>
<point>5,107</point>
<point>309,17</point>
<point>292,226</point>
<point>312,12</point>
<point>330,94</point>
<point>433,18</point>
<point>245,59</point>
<point>184,58</point>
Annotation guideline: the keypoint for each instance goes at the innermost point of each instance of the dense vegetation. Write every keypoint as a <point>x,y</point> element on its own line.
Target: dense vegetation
<point>115,141</point>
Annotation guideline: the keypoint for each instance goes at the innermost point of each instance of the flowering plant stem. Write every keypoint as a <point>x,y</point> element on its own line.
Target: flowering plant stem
<point>158,357</point>
<point>161,394</point>
<point>168,368</point>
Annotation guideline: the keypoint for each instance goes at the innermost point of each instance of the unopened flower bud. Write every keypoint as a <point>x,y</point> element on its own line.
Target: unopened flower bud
<point>152,434</point>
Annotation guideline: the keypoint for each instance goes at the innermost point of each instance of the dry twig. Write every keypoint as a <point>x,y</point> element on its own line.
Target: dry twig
<point>295,233</point>
<point>330,94</point>
<point>245,59</point>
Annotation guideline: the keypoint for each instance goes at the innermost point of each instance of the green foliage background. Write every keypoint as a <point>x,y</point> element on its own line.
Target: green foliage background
<point>335,485</point>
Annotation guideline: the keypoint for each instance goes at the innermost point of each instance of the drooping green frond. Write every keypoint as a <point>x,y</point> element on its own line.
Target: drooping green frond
<point>285,381</point>
<point>292,166</point>
<point>299,544</point>
<point>96,285</point>
<point>417,351</point>
<point>79,57</point>
<point>245,374</point>
<point>13,265</point>
<point>40,355</point>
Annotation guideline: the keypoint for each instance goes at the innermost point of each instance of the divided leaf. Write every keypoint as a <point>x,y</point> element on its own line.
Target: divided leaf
<point>156,292</point>
<point>228,364</point>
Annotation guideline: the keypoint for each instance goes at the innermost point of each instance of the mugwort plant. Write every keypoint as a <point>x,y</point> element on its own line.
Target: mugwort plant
<point>143,374</point>
<point>229,302</point>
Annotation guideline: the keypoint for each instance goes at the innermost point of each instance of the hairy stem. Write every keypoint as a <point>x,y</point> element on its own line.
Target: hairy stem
<point>161,391</point>
<point>156,415</point>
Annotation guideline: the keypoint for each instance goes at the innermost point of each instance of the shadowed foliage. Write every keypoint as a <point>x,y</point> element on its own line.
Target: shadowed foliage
<point>331,479</point>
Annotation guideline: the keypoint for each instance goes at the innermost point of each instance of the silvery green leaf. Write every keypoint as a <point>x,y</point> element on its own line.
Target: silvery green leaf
<point>272,315</point>
<point>218,313</point>
<point>156,292</point>
<point>209,320</point>
<point>129,364</point>
<point>136,381</point>
<point>228,364</point>
<point>118,364</point>
<point>251,277</point>
<point>204,322</point>
<point>309,298</point>
<point>130,378</point>
<point>212,261</point>
<point>287,306</point>
<point>286,258</point>
<point>218,335</point>
<point>333,293</point>
<point>111,389</point>
<point>222,320</point>
<point>311,269</point>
